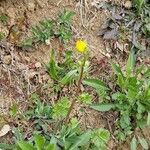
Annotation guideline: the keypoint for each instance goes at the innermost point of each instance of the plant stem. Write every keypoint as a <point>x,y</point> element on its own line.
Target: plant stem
<point>78,89</point>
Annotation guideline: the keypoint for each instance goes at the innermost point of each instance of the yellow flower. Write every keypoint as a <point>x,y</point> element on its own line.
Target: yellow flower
<point>81,46</point>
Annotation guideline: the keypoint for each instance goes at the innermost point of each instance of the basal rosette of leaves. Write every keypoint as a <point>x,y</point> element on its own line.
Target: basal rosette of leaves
<point>70,137</point>
<point>131,99</point>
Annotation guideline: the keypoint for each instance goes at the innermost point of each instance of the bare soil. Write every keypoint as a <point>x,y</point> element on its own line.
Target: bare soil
<point>22,72</point>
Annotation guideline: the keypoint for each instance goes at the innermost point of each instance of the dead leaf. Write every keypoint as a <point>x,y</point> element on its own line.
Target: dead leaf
<point>117,16</point>
<point>4,130</point>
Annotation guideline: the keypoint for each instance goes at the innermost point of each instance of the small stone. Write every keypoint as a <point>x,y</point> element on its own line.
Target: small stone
<point>93,28</point>
<point>32,74</point>
<point>40,3</point>
<point>45,77</point>
<point>31,6</point>
<point>7,59</point>
<point>48,42</point>
<point>29,75</point>
<point>128,4</point>
<point>38,65</point>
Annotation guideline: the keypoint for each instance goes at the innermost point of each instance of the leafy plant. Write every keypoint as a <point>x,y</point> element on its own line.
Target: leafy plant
<point>38,143</point>
<point>60,109</point>
<point>138,4</point>
<point>98,85</point>
<point>47,29</point>
<point>27,43</point>
<point>2,35</point>
<point>39,109</point>
<point>85,98</point>
<point>100,138</point>
<point>13,110</point>
<point>43,31</point>
<point>142,141</point>
<point>64,21</point>
<point>131,100</point>
<point>67,71</point>
<point>4,19</point>
<point>62,74</point>
<point>70,137</point>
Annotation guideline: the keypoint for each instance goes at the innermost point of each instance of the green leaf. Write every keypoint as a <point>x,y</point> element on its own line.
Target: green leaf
<point>82,140</point>
<point>50,147</point>
<point>85,98</point>
<point>95,83</point>
<point>100,138</point>
<point>39,142</point>
<point>27,43</point>
<point>147,26</point>
<point>139,70</point>
<point>121,81</point>
<point>68,77</point>
<point>148,119</point>
<point>130,63</point>
<point>143,143</point>
<point>25,146</point>
<point>6,146</point>
<point>147,73</point>
<point>102,107</point>
<point>138,4</point>
<point>133,143</point>
<point>52,68</point>
<point>66,16</point>
<point>60,109</point>
<point>117,69</point>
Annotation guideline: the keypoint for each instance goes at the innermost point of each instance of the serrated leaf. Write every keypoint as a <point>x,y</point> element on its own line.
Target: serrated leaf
<point>133,143</point>
<point>143,143</point>
<point>66,16</point>
<point>39,141</point>
<point>95,83</point>
<point>102,107</point>
<point>68,77</point>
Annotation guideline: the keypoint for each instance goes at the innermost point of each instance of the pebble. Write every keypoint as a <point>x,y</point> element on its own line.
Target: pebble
<point>45,77</point>
<point>7,59</point>
<point>40,3</point>
<point>38,65</point>
<point>31,6</point>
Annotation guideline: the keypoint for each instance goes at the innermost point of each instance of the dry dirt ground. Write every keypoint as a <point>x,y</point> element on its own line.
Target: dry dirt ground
<point>19,65</point>
<point>22,72</point>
